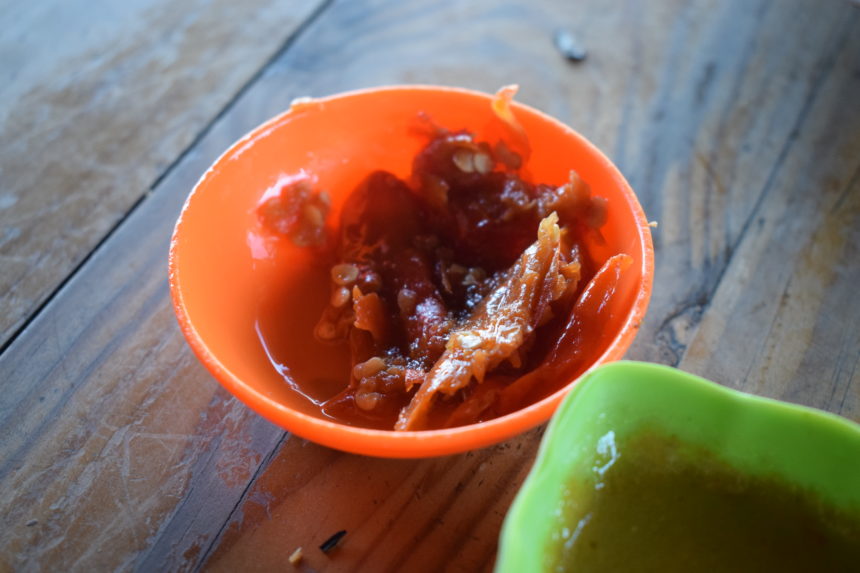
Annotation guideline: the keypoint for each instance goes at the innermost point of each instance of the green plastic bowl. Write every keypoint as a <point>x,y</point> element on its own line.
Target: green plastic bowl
<point>813,450</point>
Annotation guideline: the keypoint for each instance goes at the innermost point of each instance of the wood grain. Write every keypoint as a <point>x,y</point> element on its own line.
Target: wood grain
<point>784,321</point>
<point>96,100</point>
<point>120,452</point>
<point>113,424</point>
<point>400,515</point>
<point>692,145</point>
<point>718,137</point>
<point>686,97</point>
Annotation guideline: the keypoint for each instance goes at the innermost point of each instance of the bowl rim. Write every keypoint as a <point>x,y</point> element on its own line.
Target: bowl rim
<point>548,465</point>
<point>421,443</point>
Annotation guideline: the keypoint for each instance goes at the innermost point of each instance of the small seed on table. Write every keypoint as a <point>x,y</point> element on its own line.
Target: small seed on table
<point>569,46</point>
<point>332,541</point>
<point>296,557</point>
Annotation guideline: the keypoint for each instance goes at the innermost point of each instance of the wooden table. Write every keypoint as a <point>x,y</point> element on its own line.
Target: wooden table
<point>737,123</point>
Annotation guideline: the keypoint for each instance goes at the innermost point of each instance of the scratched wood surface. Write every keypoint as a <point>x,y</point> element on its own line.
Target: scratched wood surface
<point>97,99</point>
<point>736,122</point>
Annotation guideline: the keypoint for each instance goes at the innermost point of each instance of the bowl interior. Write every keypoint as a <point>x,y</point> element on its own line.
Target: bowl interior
<point>234,286</point>
<point>815,451</point>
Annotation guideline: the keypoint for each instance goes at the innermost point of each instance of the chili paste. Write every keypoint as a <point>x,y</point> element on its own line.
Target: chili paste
<point>463,292</point>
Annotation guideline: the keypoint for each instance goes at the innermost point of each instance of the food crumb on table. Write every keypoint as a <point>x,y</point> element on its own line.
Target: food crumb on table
<point>332,541</point>
<point>569,46</point>
<point>296,557</point>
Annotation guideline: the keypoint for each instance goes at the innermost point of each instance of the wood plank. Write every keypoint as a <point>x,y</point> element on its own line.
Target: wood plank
<point>718,136</point>
<point>96,100</point>
<point>129,455</point>
<point>663,92</point>
<point>784,321</point>
<point>399,515</point>
<point>112,424</point>
<point>696,157</point>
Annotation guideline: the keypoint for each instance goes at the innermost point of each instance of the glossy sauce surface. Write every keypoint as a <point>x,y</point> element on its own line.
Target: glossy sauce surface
<point>658,506</point>
<point>462,292</point>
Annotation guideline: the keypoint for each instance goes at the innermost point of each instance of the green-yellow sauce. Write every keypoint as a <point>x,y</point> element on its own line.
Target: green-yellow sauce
<point>657,505</point>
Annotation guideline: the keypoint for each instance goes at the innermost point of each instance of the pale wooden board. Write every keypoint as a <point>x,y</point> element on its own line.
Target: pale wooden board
<point>785,320</point>
<point>688,98</point>
<point>96,100</point>
<point>400,515</point>
<point>727,116</point>
<point>111,425</point>
<point>705,128</point>
<point>160,483</point>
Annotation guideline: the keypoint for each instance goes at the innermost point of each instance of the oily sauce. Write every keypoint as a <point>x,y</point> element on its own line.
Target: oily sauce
<point>462,293</point>
<point>660,507</point>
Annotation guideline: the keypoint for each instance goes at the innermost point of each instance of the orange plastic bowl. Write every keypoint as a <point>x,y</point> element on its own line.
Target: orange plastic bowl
<point>248,302</point>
